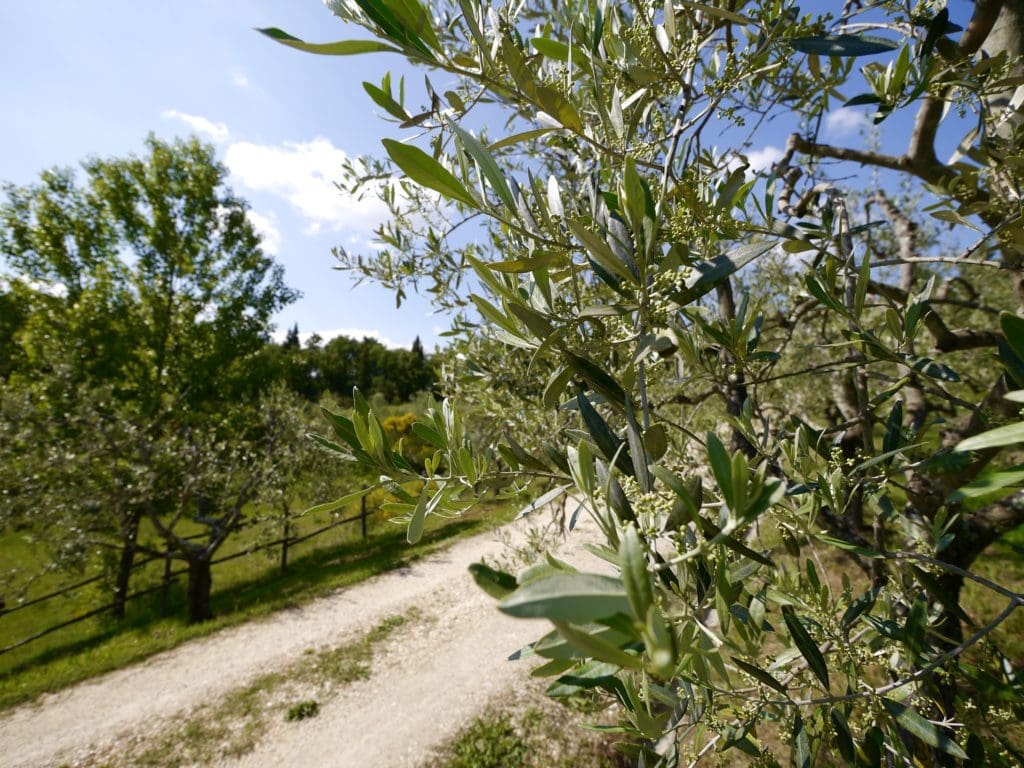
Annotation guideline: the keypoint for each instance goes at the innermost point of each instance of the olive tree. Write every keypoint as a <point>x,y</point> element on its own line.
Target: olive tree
<point>244,468</point>
<point>143,296</point>
<point>787,394</point>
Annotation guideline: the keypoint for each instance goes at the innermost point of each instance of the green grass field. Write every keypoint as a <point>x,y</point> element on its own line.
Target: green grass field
<point>243,588</point>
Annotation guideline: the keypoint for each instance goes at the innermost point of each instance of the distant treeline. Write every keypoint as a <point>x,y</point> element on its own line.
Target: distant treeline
<point>342,363</point>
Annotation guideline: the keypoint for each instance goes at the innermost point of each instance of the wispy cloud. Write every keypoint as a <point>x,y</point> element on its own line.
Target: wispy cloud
<point>352,333</point>
<point>845,121</point>
<point>240,79</point>
<point>266,228</point>
<point>757,160</point>
<point>762,158</point>
<point>202,125</point>
<point>305,174</point>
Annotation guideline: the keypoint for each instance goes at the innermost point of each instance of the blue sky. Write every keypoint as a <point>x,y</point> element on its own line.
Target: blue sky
<point>94,78</point>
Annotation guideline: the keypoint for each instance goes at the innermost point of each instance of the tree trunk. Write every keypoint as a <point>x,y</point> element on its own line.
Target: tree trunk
<point>124,566</point>
<point>200,582</point>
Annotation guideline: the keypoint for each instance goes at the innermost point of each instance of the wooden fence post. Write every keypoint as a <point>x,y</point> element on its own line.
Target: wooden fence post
<point>284,542</point>
<point>362,515</point>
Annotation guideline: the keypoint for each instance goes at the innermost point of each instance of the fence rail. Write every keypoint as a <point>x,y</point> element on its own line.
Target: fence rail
<point>137,565</point>
<point>170,574</point>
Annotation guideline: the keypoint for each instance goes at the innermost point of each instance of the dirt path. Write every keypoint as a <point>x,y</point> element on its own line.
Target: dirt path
<point>422,691</point>
<point>438,673</point>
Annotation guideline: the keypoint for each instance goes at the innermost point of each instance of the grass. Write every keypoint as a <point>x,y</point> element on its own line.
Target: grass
<point>492,742</point>
<point>244,589</point>
<point>541,734</point>
<point>233,725</point>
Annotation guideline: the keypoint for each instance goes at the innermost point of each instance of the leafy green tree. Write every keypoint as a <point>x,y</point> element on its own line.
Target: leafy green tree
<point>418,374</point>
<point>299,471</point>
<point>291,340</point>
<point>773,389</point>
<point>13,310</point>
<point>144,287</point>
<point>297,367</point>
<point>396,374</point>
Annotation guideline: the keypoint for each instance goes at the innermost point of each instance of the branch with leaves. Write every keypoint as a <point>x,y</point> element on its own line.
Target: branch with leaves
<point>660,321</point>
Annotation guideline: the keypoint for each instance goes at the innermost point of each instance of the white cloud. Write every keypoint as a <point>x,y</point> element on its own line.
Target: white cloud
<point>216,131</point>
<point>304,174</point>
<point>240,79</point>
<point>352,333</point>
<point>763,158</point>
<point>266,228</point>
<point>845,121</point>
<point>56,289</point>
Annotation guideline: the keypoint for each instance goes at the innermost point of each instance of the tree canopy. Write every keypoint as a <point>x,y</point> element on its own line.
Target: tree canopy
<point>788,393</point>
<point>151,270</point>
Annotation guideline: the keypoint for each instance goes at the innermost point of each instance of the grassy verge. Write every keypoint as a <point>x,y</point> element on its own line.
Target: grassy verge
<point>257,589</point>
<point>233,725</point>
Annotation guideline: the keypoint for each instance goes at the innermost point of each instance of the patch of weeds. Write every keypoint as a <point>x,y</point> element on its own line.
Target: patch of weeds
<point>302,710</point>
<point>231,727</point>
<point>489,743</point>
<point>347,663</point>
<point>544,735</point>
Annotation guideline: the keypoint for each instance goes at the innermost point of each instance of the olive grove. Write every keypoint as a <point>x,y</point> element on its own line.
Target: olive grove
<point>788,392</point>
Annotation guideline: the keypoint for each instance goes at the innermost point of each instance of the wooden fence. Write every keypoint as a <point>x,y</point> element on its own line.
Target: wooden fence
<point>170,574</point>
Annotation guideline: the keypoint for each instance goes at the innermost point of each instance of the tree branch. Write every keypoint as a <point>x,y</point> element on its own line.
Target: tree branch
<point>906,234</point>
<point>946,340</point>
<point>928,492</point>
<point>985,526</point>
<point>864,157</point>
<point>921,152</point>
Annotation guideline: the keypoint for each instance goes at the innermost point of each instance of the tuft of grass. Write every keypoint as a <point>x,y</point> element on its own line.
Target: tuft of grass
<point>232,726</point>
<point>302,710</point>
<point>244,589</point>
